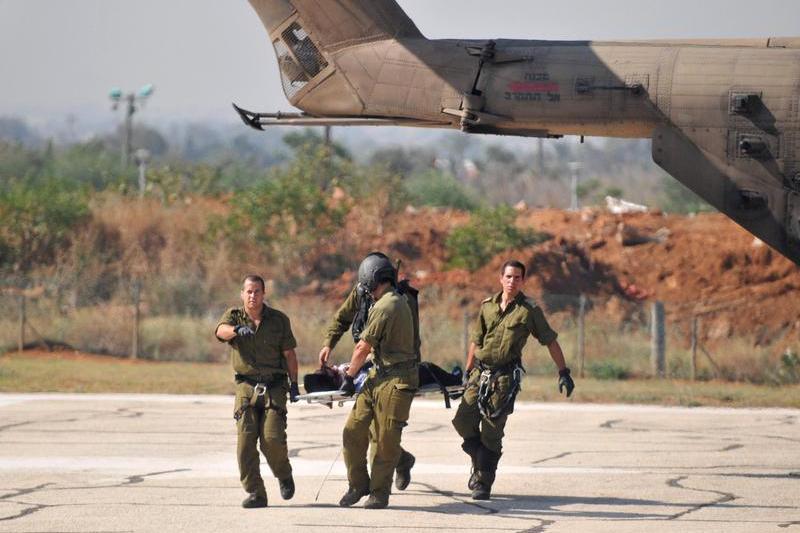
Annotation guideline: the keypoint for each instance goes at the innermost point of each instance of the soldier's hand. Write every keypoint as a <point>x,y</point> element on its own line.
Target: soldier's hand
<point>465,377</point>
<point>243,331</point>
<point>348,387</point>
<point>294,392</point>
<point>565,382</point>
<point>324,354</point>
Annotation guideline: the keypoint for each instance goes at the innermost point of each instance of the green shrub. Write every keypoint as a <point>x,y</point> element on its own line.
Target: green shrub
<point>609,370</point>
<point>488,232</point>
<point>286,215</point>
<point>677,198</point>
<point>37,221</point>
<point>788,369</point>
<point>439,189</point>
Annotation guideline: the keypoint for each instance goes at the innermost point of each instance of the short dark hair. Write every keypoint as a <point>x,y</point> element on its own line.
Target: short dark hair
<point>255,278</point>
<point>513,263</point>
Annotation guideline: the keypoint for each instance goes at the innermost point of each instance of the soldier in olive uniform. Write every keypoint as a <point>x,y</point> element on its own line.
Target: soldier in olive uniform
<point>354,312</point>
<point>265,363</point>
<point>494,372</point>
<point>386,396</point>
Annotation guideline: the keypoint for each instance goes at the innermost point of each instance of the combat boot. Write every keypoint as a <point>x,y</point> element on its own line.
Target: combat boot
<point>487,468</point>
<point>471,447</point>
<point>352,496</point>
<point>377,501</point>
<point>287,488</point>
<point>255,501</point>
<point>402,475</point>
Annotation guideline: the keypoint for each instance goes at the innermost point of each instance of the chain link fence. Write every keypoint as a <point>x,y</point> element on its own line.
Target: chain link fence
<point>602,337</point>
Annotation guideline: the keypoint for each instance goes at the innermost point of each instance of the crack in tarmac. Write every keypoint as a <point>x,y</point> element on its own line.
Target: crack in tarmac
<point>559,456</point>
<point>541,527</point>
<point>140,478</point>
<point>610,424</point>
<point>9,426</point>
<point>295,452</point>
<point>566,454</point>
<point>676,483</point>
<point>451,495</point>
<point>34,507</point>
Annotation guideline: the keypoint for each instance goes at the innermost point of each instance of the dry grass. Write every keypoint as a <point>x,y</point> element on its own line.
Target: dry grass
<point>612,349</point>
<point>70,372</point>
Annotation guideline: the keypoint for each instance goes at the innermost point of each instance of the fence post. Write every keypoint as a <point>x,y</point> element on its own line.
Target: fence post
<point>658,340</point>
<point>22,321</point>
<point>137,289</point>
<point>581,332</point>
<point>694,347</point>
<point>465,335</point>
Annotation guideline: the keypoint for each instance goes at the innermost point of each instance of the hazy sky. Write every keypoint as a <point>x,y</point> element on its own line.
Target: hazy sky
<point>60,57</point>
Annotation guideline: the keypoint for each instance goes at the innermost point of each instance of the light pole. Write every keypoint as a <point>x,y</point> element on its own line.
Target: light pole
<point>130,100</point>
<point>575,170</point>
<point>142,157</point>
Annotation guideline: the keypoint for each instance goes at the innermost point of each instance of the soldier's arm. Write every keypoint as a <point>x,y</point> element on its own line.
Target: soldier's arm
<point>342,319</point>
<point>225,332</point>
<point>557,355</point>
<point>360,353</point>
<point>225,329</point>
<point>478,333</point>
<point>291,363</point>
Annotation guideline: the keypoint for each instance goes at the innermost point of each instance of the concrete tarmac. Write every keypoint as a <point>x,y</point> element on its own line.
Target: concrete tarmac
<point>119,463</point>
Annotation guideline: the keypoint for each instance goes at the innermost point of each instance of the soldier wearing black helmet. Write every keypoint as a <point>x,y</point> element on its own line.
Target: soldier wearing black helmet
<point>385,399</point>
<point>353,314</point>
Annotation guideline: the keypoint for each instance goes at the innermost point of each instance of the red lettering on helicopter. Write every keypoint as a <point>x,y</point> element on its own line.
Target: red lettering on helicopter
<point>533,87</point>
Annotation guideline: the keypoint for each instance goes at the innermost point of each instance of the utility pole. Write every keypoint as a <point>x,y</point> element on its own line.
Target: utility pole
<point>130,101</point>
<point>575,171</point>
<point>142,158</point>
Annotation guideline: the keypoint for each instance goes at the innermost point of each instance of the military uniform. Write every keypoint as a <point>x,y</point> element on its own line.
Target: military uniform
<point>500,337</point>
<point>342,320</point>
<point>259,360</point>
<point>385,399</point>
<point>347,312</point>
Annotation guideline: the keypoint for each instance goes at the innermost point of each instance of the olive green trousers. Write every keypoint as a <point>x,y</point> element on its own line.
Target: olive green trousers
<point>383,403</point>
<point>469,422</point>
<point>262,424</point>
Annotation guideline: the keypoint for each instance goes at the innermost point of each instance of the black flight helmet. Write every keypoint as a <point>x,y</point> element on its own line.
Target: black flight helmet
<point>375,269</point>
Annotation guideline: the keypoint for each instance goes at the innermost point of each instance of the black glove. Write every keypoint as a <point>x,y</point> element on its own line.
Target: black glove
<point>348,387</point>
<point>564,380</point>
<point>294,392</point>
<point>465,378</point>
<point>243,331</point>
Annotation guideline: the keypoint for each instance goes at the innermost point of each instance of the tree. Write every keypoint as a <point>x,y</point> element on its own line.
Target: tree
<point>488,232</point>
<point>676,198</point>
<point>37,222</point>
<point>440,189</point>
<point>286,215</point>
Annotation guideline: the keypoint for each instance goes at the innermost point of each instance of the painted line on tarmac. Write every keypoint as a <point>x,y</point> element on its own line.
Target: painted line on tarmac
<point>15,398</point>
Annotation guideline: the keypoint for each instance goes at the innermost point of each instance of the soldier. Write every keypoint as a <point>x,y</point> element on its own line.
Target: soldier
<point>262,355</point>
<point>354,312</point>
<point>494,372</point>
<point>388,391</point>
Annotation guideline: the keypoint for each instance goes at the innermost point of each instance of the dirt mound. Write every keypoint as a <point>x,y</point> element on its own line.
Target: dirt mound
<point>702,264</point>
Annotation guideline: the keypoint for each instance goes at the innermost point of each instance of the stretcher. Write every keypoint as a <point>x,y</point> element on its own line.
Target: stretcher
<point>331,397</point>
<point>322,386</point>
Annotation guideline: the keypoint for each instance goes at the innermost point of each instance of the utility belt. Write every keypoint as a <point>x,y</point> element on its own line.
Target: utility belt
<point>505,368</point>
<point>262,387</point>
<point>395,369</point>
<point>487,387</point>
